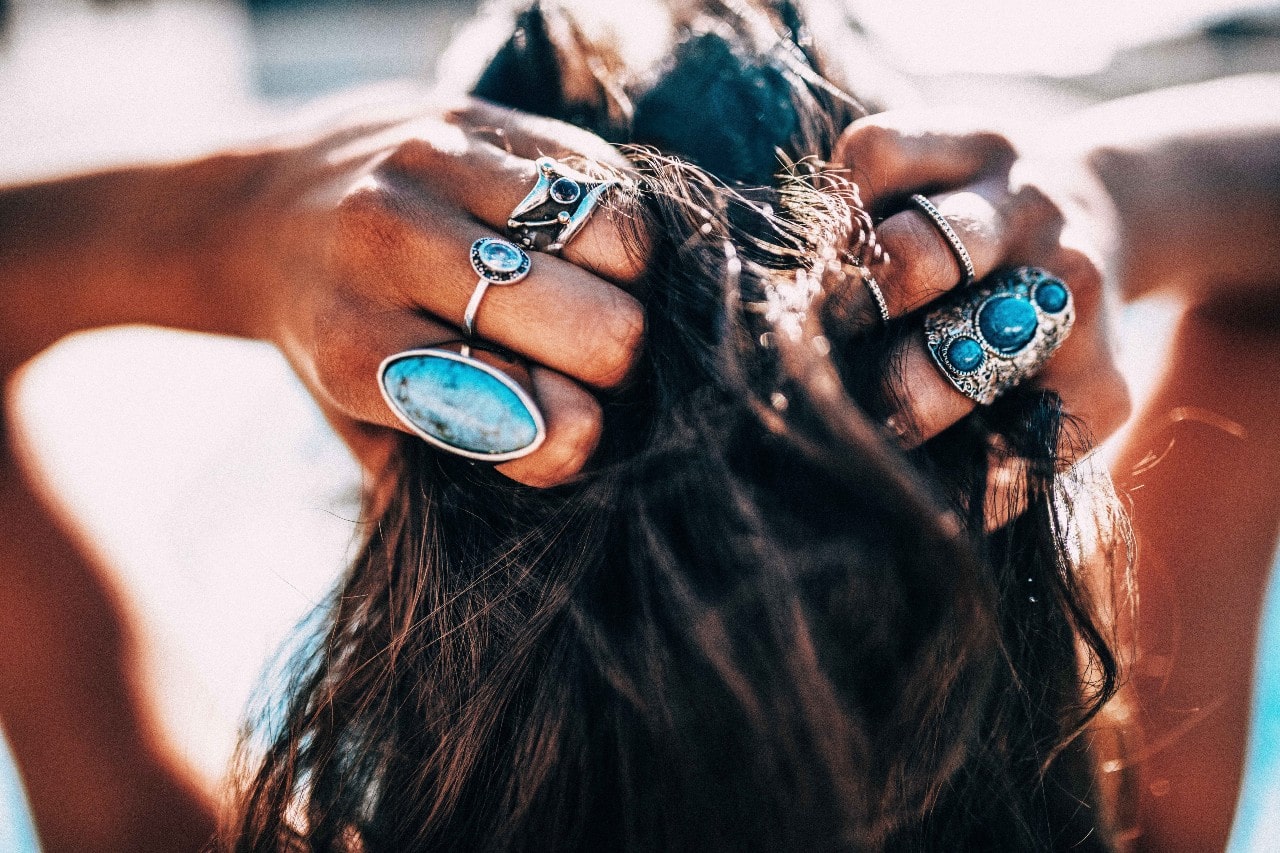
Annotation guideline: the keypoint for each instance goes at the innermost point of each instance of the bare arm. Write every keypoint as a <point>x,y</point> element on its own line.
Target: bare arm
<point>1195,177</point>
<point>1194,173</point>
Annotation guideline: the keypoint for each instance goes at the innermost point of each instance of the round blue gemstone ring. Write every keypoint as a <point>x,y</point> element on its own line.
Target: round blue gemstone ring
<point>989,337</point>
<point>496,261</point>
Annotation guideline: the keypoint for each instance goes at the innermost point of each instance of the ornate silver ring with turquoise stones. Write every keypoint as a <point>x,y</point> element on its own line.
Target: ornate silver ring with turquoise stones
<point>557,207</point>
<point>496,261</point>
<point>462,405</point>
<point>989,337</point>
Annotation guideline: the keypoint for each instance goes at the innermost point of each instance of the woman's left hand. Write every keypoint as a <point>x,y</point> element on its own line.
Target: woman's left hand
<point>1009,208</point>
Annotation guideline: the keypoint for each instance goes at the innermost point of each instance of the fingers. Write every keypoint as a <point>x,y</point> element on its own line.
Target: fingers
<point>574,425</point>
<point>345,378</point>
<point>563,317</point>
<point>489,182</point>
<point>1082,372</point>
<point>919,263</point>
<point>893,154</point>
<point>532,136</point>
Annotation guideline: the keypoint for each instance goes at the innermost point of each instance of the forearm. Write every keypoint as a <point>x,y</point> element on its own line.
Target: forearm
<point>1194,175</point>
<point>143,245</point>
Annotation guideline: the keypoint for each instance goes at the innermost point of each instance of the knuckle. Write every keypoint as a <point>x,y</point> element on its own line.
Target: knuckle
<point>1036,212</point>
<point>616,342</point>
<point>417,154</point>
<point>1084,276</point>
<point>366,223</point>
<point>997,148</point>
<point>868,143</point>
<point>576,434</point>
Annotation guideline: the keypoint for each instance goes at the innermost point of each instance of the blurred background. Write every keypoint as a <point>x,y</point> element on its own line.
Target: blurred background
<point>202,466</point>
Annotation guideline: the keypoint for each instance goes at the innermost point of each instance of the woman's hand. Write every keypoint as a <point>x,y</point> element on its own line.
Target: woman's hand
<point>370,234</point>
<point>343,248</point>
<point>1008,210</point>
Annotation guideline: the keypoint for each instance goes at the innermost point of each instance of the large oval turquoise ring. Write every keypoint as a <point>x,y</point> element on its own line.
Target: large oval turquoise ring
<point>989,337</point>
<point>460,404</point>
<point>496,261</point>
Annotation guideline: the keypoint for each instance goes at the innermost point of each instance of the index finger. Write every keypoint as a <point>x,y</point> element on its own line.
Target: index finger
<point>893,154</point>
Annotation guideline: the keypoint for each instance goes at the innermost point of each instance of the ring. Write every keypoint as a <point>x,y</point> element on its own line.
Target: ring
<point>460,404</point>
<point>876,293</point>
<point>496,261</point>
<point>950,235</point>
<point>990,337</point>
<point>557,207</point>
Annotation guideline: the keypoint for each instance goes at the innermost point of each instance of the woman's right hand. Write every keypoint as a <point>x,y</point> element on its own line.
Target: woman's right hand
<point>362,251</point>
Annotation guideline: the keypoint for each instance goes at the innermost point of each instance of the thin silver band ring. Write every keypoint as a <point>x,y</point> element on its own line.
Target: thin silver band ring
<point>469,316</point>
<point>950,235</point>
<point>876,293</point>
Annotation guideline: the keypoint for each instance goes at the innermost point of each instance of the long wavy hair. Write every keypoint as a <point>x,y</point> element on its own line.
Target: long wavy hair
<point>756,622</point>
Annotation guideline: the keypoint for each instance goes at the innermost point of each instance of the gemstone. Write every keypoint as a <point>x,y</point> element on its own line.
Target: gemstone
<point>501,256</point>
<point>965,354</point>
<point>1008,323</point>
<point>565,191</point>
<point>460,403</point>
<point>1051,296</point>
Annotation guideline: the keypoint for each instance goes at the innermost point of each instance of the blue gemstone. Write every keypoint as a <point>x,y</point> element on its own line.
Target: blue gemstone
<point>459,404</point>
<point>565,191</point>
<point>1051,296</point>
<point>965,354</point>
<point>501,256</point>
<point>1008,323</point>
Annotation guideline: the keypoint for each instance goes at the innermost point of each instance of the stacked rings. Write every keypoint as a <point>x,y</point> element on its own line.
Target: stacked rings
<point>990,337</point>
<point>468,406</point>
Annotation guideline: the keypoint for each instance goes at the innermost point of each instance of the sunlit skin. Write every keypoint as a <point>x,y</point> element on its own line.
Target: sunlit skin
<point>351,245</point>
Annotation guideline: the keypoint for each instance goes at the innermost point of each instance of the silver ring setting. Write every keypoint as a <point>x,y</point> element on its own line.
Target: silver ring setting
<point>877,295</point>
<point>461,404</point>
<point>949,234</point>
<point>496,261</point>
<point>987,338</point>
<point>557,207</point>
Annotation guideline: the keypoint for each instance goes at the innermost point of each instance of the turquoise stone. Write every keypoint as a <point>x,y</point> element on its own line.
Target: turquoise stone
<point>1051,296</point>
<point>460,404</point>
<point>1008,323</point>
<point>501,256</point>
<point>965,354</point>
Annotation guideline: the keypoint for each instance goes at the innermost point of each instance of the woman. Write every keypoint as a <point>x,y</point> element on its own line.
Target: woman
<point>677,649</point>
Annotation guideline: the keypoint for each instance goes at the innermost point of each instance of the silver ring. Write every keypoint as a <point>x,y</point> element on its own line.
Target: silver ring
<point>460,404</point>
<point>557,207</point>
<point>987,338</point>
<point>950,235</point>
<point>876,293</point>
<point>496,261</point>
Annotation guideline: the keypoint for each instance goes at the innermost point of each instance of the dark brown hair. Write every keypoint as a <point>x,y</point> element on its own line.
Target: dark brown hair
<point>756,623</point>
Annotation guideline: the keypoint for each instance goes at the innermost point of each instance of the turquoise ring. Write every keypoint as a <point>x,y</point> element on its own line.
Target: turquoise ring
<point>989,337</point>
<point>460,404</point>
